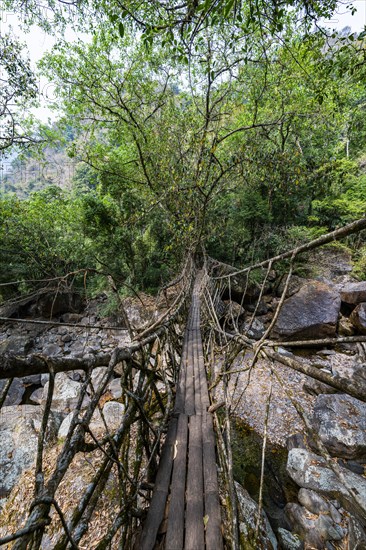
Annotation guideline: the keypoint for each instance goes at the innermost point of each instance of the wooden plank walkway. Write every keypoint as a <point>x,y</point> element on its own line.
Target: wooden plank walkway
<point>185,509</point>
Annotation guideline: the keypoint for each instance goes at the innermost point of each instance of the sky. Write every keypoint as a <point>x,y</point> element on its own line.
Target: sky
<point>38,42</point>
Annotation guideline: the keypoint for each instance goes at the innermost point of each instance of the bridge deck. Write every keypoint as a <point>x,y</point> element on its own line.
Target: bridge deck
<point>185,508</point>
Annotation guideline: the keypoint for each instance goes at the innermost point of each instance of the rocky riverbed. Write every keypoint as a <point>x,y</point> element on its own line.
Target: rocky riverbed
<point>315,465</point>
<point>315,486</point>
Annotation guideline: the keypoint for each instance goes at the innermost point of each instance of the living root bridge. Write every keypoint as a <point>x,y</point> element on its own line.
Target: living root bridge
<point>136,441</point>
<point>225,282</point>
<point>140,434</point>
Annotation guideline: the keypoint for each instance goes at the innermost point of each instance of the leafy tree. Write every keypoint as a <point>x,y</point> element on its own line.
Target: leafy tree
<point>18,89</point>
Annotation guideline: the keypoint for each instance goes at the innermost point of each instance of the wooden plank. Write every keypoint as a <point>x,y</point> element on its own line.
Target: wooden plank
<point>157,506</point>
<point>194,529</point>
<point>211,487</point>
<point>181,387</point>
<point>197,375</point>
<point>189,408</point>
<point>175,532</point>
<point>204,388</point>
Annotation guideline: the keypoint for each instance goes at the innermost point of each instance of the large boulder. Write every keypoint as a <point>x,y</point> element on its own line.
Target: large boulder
<point>289,541</point>
<point>340,422</point>
<point>294,285</point>
<point>358,318</point>
<point>15,392</point>
<point>16,345</point>
<point>311,471</point>
<point>315,530</point>
<point>310,313</point>
<point>248,514</point>
<point>19,428</point>
<point>357,535</point>
<point>353,293</point>
<point>112,412</point>
<point>66,393</point>
<point>18,444</point>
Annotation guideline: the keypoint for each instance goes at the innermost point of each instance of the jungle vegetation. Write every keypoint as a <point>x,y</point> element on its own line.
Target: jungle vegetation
<point>234,126</point>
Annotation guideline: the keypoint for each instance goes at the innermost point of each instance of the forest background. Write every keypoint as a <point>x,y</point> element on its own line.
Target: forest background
<point>234,127</point>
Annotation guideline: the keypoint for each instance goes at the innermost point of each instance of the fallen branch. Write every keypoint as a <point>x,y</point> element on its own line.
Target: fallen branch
<point>343,385</point>
<point>315,343</point>
<point>13,366</point>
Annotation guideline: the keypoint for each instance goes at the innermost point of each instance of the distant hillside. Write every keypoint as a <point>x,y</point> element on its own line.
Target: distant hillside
<point>26,175</point>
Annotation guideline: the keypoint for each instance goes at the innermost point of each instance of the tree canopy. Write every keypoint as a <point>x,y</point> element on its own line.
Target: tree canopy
<point>218,124</point>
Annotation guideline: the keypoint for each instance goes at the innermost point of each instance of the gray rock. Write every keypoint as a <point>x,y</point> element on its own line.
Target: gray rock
<point>52,349</point>
<point>77,375</point>
<point>248,513</point>
<point>37,396</point>
<point>77,349</point>
<point>256,331</point>
<point>16,345</point>
<point>313,502</point>
<point>113,413</point>
<point>340,421</point>
<point>65,425</point>
<point>66,393</point>
<point>314,530</point>
<point>294,285</point>
<point>288,541</point>
<point>285,352</point>
<point>328,529</point>
<point>315,387</point>
<point>358,318</point>
<point>15,392</point>
<point>354,293</point>
<point>345,327</point>
<point>357,535</point>
<point>18,443</point>
<point>310,313</point>
<point>115,388</point>
<point>296,441</point>
<point>31,379</point>
<point>98,375</point>
<point>71,317</point>
<point>261,308</point>
<point>311,471</point>
<point>303,525</point>
<point>353,466</point>
<point>334,514</point>
<point>53,425</point>
<point>44,379</point>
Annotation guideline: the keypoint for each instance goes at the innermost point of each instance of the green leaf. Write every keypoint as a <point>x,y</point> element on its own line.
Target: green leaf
<point>228,7</point>
<point>121,29</point>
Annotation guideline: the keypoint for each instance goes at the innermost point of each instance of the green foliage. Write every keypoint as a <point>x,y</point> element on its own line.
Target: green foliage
<point>359,266</point>
<point>40,236</point>
<point>342,205</point>
<point>18,88</point>
<point>246,143</point>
